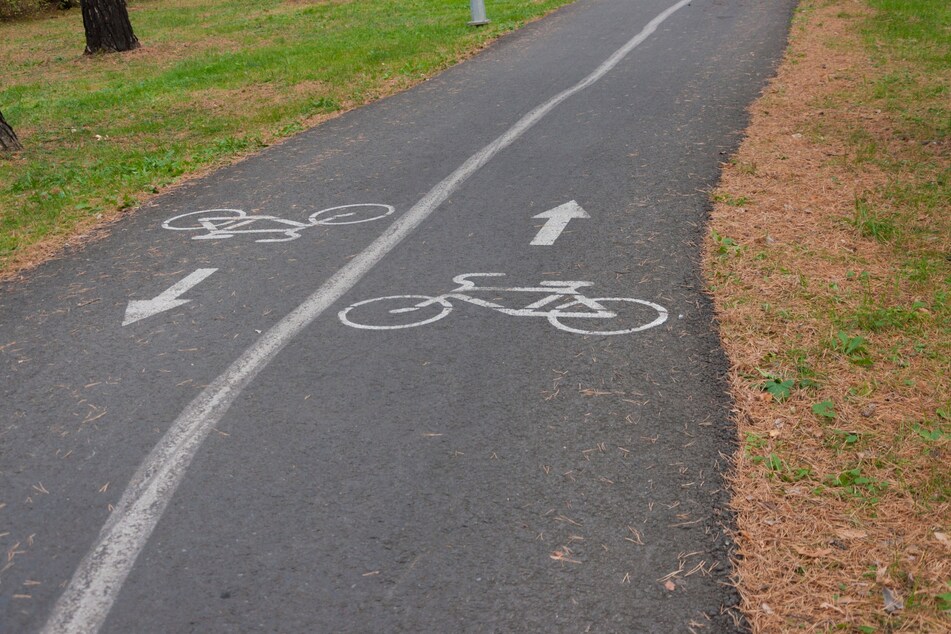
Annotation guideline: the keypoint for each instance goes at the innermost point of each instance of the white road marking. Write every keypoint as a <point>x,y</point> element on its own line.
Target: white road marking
<point>221,224</point>
<point>142,308</point>
<point>85,604</point>
<point>558,219</point>
<point>560,300</point>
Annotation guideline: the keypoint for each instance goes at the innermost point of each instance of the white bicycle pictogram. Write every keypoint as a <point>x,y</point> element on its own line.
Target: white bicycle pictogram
<point>563,302</point>
<point>220,224</point>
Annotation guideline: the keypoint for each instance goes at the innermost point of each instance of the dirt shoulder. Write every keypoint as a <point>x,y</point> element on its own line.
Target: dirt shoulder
<point>828,262</point>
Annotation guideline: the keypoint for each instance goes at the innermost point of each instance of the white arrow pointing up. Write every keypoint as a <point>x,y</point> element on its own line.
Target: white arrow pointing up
<point>558,219</point>
<point>142,308</point>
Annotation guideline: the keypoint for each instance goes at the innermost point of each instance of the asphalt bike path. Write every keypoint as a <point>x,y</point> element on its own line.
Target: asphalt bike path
<point>471,454</point>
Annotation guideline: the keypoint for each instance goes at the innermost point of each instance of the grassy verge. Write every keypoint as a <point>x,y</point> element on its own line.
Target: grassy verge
<point>214,79</point>
<point>830,265</point>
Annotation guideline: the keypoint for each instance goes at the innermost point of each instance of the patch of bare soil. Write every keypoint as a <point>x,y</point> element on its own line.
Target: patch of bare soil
<point>840,486</point>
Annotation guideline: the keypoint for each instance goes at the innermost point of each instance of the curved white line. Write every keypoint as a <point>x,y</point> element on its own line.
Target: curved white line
<point>446,309</point>
<point>85,604</point>
<point>314,218</point>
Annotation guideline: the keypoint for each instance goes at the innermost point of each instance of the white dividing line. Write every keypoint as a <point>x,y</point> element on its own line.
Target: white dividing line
<point>85,604</point>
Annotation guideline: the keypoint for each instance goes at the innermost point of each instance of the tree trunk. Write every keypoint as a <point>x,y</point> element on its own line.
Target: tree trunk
<point>8,138</point>
<point>107,26</point>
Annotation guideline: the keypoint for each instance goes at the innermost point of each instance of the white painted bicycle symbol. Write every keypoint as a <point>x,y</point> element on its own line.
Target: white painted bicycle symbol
<point>220,224</point>
<point>563,305</point>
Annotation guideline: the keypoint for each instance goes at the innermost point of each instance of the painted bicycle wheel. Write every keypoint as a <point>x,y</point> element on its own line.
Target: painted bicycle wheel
<point>350,214</point>
<point>395,311</point>
<point>192,220</point>
<point>578,317</point>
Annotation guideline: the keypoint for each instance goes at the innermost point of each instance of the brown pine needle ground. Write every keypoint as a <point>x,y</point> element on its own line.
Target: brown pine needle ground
<point>829,265</point>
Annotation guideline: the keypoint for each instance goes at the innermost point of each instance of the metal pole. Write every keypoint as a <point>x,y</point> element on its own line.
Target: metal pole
<point>478,13</point>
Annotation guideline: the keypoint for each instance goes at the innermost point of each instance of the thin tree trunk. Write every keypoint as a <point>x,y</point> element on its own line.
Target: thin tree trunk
<point>107,26</point>
<point>8,138</point>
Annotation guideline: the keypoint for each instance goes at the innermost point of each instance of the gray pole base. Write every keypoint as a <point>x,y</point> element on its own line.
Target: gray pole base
<point>477,13</point>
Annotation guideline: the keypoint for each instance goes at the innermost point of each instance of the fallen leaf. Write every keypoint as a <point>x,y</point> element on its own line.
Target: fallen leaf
<point>851,533</point>
<point>943,538</point>
<point>814,554</point>
<point>881,574</point>
<point>893,602</point>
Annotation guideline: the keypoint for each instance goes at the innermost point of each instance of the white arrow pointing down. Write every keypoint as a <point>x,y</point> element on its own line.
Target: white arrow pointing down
<point>558,219</point>
<point>142,308</point>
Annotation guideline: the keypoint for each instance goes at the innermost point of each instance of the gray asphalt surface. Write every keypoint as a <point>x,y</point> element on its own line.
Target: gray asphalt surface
<point>483,472</point>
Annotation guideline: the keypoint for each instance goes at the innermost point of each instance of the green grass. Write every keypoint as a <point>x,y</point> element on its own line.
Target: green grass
<point>214,79</point>
<point>917,91</point>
